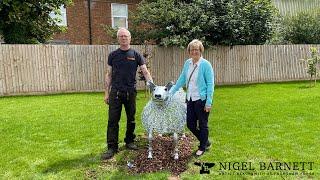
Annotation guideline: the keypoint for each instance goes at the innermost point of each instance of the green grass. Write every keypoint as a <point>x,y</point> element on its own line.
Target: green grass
<point>62,136</point>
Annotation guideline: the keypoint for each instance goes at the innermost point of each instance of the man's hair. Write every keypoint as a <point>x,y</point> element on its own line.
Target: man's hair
<point>195,43</point>
<point>123,29</point>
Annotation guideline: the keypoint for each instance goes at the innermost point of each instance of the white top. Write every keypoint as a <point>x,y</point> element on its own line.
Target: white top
<point>192,90</point>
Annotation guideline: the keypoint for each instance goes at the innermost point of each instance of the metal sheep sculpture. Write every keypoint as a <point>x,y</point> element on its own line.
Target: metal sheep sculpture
<point>164,114</point>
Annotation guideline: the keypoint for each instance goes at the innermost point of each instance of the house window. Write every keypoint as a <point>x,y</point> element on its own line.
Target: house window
<point>119,13</point>
<point>61,19</point>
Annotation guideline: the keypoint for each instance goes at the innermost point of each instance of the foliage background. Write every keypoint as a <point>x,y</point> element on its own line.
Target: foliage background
<point>224,22</point>
<point>28,22</point>
<point>303,28</point>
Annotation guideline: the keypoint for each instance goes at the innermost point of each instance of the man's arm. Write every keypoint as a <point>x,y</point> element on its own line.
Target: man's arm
<point>108,79</point>
<point>146,73</point>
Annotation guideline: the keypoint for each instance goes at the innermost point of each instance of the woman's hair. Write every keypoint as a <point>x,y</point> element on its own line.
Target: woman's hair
<point>195,43</point>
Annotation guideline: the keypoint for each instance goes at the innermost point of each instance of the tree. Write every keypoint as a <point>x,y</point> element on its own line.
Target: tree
<point>250,21</point>
<point>227,22</point>
<point>312,65</point>
<point>28,21</point>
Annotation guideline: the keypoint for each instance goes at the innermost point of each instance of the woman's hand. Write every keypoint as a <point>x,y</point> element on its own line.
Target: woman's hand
<point>207,108</point>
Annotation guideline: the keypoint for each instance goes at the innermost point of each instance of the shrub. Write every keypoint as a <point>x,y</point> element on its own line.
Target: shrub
<point>303,28</point>
<point>225,22</point>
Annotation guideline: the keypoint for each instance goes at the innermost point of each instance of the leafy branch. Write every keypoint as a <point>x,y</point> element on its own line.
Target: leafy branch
<point>312,64</point>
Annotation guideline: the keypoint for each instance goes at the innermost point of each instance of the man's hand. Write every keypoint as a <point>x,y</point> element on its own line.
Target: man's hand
<point>106,98</point>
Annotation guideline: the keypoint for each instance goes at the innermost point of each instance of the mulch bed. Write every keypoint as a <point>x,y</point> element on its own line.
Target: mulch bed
<point>163,160</point>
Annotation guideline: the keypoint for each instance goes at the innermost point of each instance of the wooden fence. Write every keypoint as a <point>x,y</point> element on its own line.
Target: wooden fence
<point>292,7</point>
<point>34,69</point>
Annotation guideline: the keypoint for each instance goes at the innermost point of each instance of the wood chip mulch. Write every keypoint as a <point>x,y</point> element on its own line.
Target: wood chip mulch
<point>162,160</point>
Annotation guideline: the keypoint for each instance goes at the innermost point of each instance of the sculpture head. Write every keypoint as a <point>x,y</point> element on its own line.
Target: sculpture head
<point>160,93</point>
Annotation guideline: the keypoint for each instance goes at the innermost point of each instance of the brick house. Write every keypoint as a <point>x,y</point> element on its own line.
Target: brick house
<point>84,20</point>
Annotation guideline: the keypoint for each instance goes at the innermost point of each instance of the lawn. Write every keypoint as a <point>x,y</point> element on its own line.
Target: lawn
<point>62,136</point>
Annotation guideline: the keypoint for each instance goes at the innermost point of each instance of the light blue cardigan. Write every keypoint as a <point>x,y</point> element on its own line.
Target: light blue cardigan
<point>205,80</point>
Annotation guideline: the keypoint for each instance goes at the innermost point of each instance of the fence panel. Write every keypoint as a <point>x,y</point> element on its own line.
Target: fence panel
<point>33,69</point>
<point>292,7</point>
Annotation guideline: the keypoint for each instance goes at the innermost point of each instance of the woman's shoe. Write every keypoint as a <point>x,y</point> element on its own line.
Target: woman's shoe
<point>199,153</point>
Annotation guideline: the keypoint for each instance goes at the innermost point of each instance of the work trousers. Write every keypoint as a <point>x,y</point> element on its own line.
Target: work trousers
<point>116,100</point>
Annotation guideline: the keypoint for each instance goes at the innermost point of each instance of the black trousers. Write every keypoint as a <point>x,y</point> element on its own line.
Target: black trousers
<point>197,121</point>
<point>116,100</point>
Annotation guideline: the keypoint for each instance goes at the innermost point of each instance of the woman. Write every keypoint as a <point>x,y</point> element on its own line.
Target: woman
<point>198,78</point>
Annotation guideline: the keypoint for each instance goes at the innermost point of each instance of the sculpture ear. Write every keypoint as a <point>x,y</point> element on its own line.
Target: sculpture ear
<point>169,85</point>
<point>151,86</point>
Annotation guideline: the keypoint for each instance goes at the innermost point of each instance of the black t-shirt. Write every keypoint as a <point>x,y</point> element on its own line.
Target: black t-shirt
<point>124,67</point>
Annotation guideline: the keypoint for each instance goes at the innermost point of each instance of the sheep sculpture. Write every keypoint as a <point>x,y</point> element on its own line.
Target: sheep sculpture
<point>164,114</point>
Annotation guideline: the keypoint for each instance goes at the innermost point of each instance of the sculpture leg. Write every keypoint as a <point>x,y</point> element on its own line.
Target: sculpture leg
<point>150,145</point>
<point>175,139</point>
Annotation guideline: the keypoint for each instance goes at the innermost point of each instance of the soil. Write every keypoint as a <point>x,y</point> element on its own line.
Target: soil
<point>163,160</point>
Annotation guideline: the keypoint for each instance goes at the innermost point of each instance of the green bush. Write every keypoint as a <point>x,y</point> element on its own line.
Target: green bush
<point>28,22</point>
<point>18,34</point>
<point>249,22</point>
<point>224,22</point>
<point>303,28</point>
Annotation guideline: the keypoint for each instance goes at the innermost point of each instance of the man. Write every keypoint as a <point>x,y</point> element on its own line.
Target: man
<point>120,89</point>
